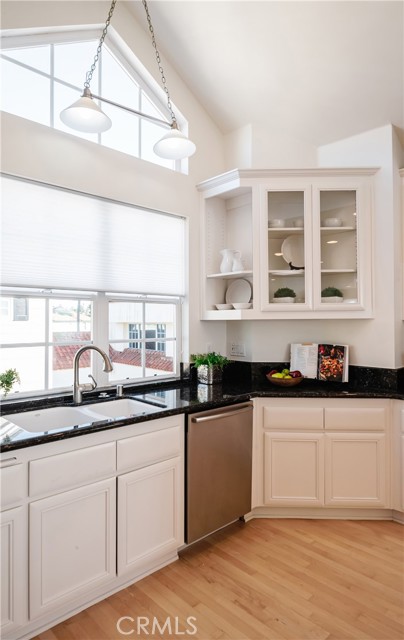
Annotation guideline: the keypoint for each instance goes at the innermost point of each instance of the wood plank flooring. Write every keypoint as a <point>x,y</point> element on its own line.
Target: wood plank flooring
<point>266,579</point>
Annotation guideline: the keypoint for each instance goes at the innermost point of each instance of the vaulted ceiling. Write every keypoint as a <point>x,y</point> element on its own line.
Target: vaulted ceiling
<point>320,70</point>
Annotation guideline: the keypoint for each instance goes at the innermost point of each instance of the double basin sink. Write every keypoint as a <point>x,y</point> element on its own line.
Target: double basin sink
<point>63,417</point>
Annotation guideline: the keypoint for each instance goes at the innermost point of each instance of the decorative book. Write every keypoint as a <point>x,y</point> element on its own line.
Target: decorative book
<point>326,362</point>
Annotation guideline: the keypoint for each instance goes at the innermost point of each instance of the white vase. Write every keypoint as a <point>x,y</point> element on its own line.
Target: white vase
<point>226,264</point>
<point>237,262</point>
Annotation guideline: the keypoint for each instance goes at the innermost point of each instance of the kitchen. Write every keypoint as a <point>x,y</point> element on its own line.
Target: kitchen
<point>126,179</point>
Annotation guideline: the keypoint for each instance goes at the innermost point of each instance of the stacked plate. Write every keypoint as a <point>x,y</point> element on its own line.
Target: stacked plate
<point>239,292</point>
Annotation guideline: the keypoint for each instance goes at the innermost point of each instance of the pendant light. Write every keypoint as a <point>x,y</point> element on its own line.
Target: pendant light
<point>85,115</point>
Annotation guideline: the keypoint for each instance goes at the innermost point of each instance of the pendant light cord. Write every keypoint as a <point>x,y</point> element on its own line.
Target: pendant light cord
<point>89,73</point>
<point>163,78</point>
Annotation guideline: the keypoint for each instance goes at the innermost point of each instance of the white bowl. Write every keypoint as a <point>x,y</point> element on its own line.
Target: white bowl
<point>223,307</point>
<point>299,222</point>
<point>332,222</point>
<point>277,222</point>
<point>332,299</point>
<point>242,305</point>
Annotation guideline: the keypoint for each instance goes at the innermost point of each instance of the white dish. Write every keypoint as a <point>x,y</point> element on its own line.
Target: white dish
<point>242,305</point>
<point>293,250</point>
<point>287,300</point>
<point>332,299</point>
<point>332,222</point>
<point>238,291</point>
<point>223,307</point>
<point>276,223</point>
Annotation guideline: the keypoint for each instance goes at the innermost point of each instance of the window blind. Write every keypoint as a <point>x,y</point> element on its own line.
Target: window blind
<point>56,238</point>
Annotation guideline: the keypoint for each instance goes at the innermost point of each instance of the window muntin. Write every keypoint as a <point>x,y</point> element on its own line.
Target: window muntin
<point>56,83</point>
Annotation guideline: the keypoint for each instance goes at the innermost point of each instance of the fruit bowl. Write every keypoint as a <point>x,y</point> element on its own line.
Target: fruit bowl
<point>285,382</point>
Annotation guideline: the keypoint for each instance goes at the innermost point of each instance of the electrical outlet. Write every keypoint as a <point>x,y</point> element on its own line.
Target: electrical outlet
<point>237,349</point>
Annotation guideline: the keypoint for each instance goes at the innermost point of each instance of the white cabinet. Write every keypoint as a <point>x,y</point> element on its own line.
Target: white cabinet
<point>14,544</point>
<point>150,518</point>
<point>397,456</point>
<point>304,230</point>
<point>64,530</point>
<point>14,573</point>
<point>72,545</point>
<point>294,469</point>
<point>315,452</point>
<point>356,470</point>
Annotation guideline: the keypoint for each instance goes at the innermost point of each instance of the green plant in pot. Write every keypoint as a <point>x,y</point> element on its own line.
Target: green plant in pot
<point>8,379</point>
<point>284,294</point>
<point>331,294</point>
<point>210,366</point>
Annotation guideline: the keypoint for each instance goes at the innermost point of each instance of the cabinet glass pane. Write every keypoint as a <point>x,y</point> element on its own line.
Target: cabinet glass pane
<point>338,246</point>
<point>286,260</point>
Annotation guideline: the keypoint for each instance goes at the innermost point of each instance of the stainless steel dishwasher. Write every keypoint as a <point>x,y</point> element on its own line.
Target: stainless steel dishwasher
<point>219,468</point>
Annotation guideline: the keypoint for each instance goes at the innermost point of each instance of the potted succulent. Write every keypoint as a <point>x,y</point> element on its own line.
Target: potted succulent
<point>284,294</point>
<point>8,379</point>
<point>331,294</point>
<point>210,366</point>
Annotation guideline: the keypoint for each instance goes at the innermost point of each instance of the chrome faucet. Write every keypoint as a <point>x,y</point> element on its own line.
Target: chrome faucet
<point>79,388</point>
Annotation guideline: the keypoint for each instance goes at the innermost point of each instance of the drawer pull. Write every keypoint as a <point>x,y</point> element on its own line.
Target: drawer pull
<point>7,462</point>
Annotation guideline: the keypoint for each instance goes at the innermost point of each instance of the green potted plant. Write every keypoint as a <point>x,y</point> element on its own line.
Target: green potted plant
<point>8,379</point>
<point>210,366</point>
<point>331,294</point>
<point>284,294</point>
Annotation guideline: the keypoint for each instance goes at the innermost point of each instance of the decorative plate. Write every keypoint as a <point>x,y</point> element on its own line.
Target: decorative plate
<point>239,290</point>
<point>293,251</point>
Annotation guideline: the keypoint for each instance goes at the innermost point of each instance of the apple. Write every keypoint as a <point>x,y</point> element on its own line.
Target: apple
<point>295,374</point>
<point>285,371</point>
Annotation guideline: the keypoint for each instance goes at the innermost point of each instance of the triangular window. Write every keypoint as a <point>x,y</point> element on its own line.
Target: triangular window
<point>40,78</point>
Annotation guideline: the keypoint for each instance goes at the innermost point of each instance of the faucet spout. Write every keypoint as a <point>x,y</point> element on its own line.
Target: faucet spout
<point>79,388</point>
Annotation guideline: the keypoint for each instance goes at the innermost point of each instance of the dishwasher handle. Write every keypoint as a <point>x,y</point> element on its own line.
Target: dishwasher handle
<point>223,414</point>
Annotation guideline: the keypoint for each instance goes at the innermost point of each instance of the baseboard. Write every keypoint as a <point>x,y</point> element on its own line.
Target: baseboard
<point>324,513</point>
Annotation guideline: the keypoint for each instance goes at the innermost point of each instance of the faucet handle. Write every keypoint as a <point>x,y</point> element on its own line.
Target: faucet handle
<point>90,386</point>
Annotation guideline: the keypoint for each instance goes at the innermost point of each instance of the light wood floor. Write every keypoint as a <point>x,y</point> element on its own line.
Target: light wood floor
<point>266,579</point>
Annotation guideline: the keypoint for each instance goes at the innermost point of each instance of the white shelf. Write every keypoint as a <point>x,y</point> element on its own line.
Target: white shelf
<point>286,273</point>
<point>231,274</point>
<point>280,232</point>
<point>327,230</point>
<point>338,270</point>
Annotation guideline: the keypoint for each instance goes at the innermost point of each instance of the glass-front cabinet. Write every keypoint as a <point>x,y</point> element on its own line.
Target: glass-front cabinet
<point>300,240</point>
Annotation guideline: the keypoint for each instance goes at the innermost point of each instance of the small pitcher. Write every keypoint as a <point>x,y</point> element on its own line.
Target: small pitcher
<point>237,262</point>
<point>226,264</point>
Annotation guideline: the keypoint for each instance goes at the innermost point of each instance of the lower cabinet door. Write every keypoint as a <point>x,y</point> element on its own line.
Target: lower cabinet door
<point>150,516</point>
<point>356,470</point>
<point>293,469</point>
<point>14,578</point>
<point>72,545</point>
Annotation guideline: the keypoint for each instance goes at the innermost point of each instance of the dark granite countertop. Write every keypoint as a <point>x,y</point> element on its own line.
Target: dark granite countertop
<point>182,398</point>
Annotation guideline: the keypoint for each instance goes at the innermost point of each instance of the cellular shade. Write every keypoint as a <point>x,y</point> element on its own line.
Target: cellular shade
<point>56,238</point>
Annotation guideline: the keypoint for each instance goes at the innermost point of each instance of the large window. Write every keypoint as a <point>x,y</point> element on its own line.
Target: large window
<point>43,349</point>
<point>53,74</point>
<point>80,270</point>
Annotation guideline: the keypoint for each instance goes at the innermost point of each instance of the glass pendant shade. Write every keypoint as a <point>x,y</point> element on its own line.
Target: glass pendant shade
<point>174,146</point>
<point>85,115</point>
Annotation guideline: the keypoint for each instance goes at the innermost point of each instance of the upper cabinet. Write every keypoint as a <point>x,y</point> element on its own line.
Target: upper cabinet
<point>308,232</point>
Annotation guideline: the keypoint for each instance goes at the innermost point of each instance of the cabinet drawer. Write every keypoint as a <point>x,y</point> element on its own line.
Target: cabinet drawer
<point>139,451</point>
<point>68,470</point>
<point>293,418</point>
<point>356,418</point>
<point>14,486</point>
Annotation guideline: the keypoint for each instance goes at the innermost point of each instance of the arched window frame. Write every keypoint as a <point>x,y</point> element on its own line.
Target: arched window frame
<point>24,38</point>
